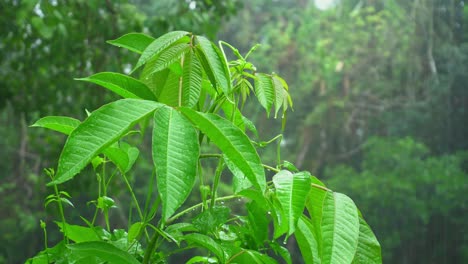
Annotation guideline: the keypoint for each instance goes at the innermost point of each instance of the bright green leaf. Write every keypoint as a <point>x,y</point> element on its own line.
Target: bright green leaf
<point>175,156</point>
<point>102,128</point>
<point>265,91</point>
<point>191,80</point>
<point>118,157</point>
<point>169,56</point>
<point>158,45</point>
<point>62,124</point>
<point>307,240</point>
<point>292,191</point>
<point>368,249</point>
<point>104,251</point>
<point>136,42</point>
<point>340,229</point>
<point>78,233</point>
<point>121,84</point>
<point>233,142</point>
<point>134,231</point>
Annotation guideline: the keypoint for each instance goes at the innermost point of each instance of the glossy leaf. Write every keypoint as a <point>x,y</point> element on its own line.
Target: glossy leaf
<point>175,156</point>
<point>292,191</point>
<point>62,124</point>
<point>191,80</point>
<point>168,56</point>
<point>258,223</point>
<point>208,243</point>
<point>340,229</point>
<point>104,251</point>
<point>121,84</point>
<point>232,142</point>
<point>217,64</point>
<point>78,233</point>
<point>136,42</point>
<point>368,249</point>
<point>265,91</point>
<point>102,128</point>
<point>158,45</point>
<point>239,181</point>
<point>314,205</point>
<point>307,240</point>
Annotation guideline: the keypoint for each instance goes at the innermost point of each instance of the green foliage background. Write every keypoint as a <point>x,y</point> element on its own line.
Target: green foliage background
<point>379,89</point>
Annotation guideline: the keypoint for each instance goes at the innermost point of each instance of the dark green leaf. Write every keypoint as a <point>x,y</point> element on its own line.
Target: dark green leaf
<point>104,251</point>
<point>208,243</point>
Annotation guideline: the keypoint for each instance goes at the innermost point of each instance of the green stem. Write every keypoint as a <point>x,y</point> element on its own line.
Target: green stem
<point>175,217</point>
<point>219,170</point>
<point>210,155</point>
<point>270,168</point>
<point>150,249</point>
<point>62,214</point>
<point>320,187</point>
<point>133,196</point>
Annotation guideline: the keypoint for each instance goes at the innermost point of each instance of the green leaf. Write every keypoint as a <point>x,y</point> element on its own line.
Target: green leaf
<point>307,240</point>
<point>264,91</point>
<point>210,220</point>
<point>104,251</point>
<point>78,233</point>
<point>216,65</point>
<point>169,93</point>
<point>62,124</point>
<point>368,249</point>
<point>232,142</point>
<point>118,157</point>
<point>251,257</point>
<point>102,128</point>
<point>136,42</point>
<point>121,84</point>
<point>258,223</point>
<point>158,45</point>
<point>191,80</point>
<point>134,231</point>
<point>292,191</point>
<point>239,181</point>
<point>340,229</point>
<point>175,156</point>
<point>314,205</point>
<point>208,243</point>
<point>169,56</point>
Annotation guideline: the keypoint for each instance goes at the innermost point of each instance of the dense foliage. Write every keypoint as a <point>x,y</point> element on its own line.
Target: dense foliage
<point>194,99</point>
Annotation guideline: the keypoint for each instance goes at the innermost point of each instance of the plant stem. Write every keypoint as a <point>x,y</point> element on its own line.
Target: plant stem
<point>62,215</point>
<point>219,170</point>
<point>175,217</point>
<point>150,249</point>
<point>210,155</point>
<point>270,168</point>
<point>320,187</point>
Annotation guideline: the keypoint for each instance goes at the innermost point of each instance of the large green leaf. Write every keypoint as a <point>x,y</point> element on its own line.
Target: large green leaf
<point>158,45</point>
<point>217,64</point>
<point>136,42</point>
<point>121,84</point>
<point>340,229</point>
<point>175,156</point>
<point>368,249</point>
<point>265,91</point>
<point>104,251</point>
<point>291,191</point>
<point>307,241</point>
<point>232,142</point>
<point>314,205</point>
<point>258,223</point>
<point>102,128</point>
<point>208,243</point>
<point>239,181</point>
<point>191,80</point>
<point>62,124</point>
<point>169,93</point>
<point>241,256</point>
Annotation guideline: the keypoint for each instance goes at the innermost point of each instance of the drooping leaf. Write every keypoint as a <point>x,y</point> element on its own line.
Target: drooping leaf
<point>102,128</point>
<point>62,124</point>
<point>265,91</point>
<point>216,65</point>
<point>136,42</point>
<point>340,229</point>
<point>282,251</point>
<point>208,243</point>
<point>368,249</point>
<point>258,223</point>
<point>307,240</point>
<point>121,84</point>
<point>175,156</point>
<point>158,45</point>
<point>104,251</point>
<point>232,142</point>
<point>78,233</point>
<point>280,221</point>
<point>314,205</point>
<point>292,191</point>
<point>191,80</point>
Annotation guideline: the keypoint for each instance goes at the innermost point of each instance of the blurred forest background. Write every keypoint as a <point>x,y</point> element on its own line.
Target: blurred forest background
<point>379,86</point>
